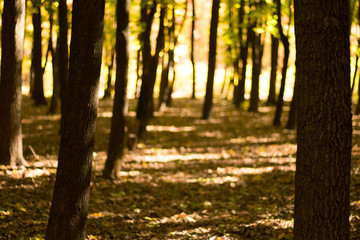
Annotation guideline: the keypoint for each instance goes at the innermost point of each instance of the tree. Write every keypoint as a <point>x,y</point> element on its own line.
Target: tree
<point>192,59</point>
<point>55,106</point>
<point>69,207</point>
<point>285,41</point>
<point>324,126</point>
<point>257,52</point>
<point>12,40</point>
<point>62,54</point>
<point>212,60</point>
<point>118,122</point>
<point>38,91</point>
<point>274,64</point>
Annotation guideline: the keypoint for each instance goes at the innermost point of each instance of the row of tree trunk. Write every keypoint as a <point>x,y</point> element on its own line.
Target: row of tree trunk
<point>322,180</point>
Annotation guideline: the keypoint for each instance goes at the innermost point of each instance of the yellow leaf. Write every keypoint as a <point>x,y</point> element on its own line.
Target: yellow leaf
<point>20,207</point>
<point>281,236</point>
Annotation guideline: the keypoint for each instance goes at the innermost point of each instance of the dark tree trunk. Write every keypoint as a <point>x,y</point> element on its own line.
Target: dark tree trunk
<point>257,52</point>
<point>174,38</point>
<point>212,60</point>
<point>164,82</point>
<point>274,65</point>
<point>357,110</point>
<point>69,207</point>
<point>192,59</point>
<point>62,54</point>
<point>12,39</point>
<point>55,106</point>
<point>244,52</point>
<point>38,91</point>
<point>120,108</point>
<point>107,92</point>
<point>322,179</point>
<point>146,101</point>
<point>285,42</point>
<point>239,89</point>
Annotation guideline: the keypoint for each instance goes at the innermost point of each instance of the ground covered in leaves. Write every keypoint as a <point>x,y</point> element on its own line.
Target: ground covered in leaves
<point>231,177</point>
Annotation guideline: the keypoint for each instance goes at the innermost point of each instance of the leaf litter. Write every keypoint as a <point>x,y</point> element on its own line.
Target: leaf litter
<point>231,177</point>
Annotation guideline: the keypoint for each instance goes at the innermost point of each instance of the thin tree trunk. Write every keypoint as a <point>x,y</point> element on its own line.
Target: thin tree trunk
<point>120,108</point>
<point>257,51</point>
<point>55,105</point>
<point>12,39</point>
<point>192,59</point>
<point>274,65</point>
<point>69,206</point>
<point>62,55</point>
<point>107,92</point>
<point>38,91</point>
<point>285,42</point>
<point>212,60</point>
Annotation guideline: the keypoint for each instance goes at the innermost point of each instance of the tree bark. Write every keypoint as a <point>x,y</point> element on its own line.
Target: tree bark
<point>38,91</point>
<point>285,42</point>
<point>110,66</point>
<point>55,105</point>
<point>322,179</point>
<point>146,100</point>
<point>69,207</point>
<point>120,108</point>
<point>212,60</point>
<point>192,58</point>
<point>12,40</point>
<point>62,55</point>
<point>274,65</point>
<point>257,52</point>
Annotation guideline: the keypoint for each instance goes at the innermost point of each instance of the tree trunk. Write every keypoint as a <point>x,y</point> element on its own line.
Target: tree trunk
<point>274,65</point>
<point>12,39</point>
<point>107,92</point>
<point>212,60</point>
<point>55,106</point>
<point>120,108</point>
<point>239,89</point>
<point>62,55</point>
<point>38,91</point>
<point>69,207</point>
<point>146,101</point>
<point>244,52</point>
<point>322,179</point>
<point>192,59</point>
<point>285,42</point>
<point>257,51</point>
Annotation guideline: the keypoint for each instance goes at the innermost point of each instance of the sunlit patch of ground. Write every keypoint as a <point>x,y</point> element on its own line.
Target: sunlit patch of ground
<point>231,177</point>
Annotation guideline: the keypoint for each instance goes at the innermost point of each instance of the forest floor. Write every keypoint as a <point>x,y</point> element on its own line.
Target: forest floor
<point>231,177</point>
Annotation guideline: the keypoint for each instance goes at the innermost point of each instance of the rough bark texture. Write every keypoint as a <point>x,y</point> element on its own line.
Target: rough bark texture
<point>274,65</point>
<point>69,207</point>
<point>120,108</point>
<point>38,91</point>
<point>12,39</point>
<point>212,60</point>
<point>324,124</point>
